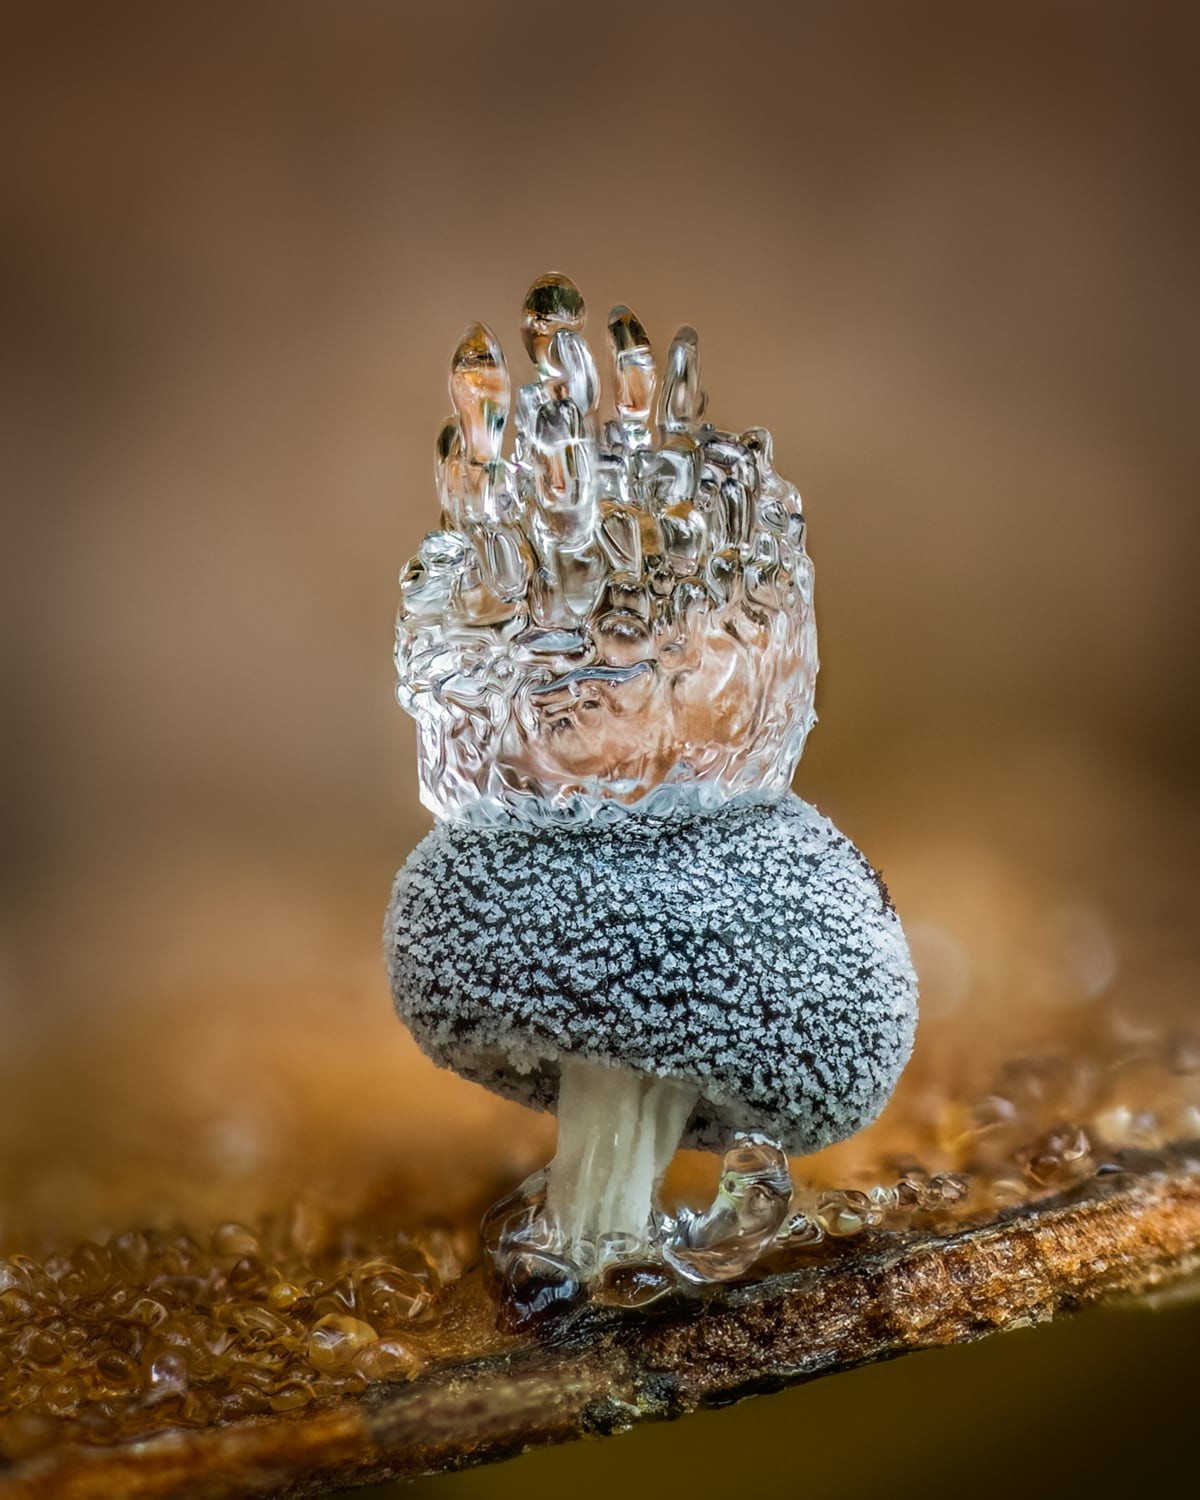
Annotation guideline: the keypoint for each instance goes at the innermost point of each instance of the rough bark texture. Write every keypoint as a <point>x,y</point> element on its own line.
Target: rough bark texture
<point>1122,1236</point>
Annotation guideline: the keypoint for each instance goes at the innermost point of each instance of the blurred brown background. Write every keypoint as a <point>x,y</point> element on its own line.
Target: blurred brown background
<point>946,252</point>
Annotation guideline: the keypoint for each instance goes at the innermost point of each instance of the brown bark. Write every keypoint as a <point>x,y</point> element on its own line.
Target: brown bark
<point>1123,1236</point>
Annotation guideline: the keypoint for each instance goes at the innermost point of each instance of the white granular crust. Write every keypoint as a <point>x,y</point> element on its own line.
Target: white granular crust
<point>753,953</point>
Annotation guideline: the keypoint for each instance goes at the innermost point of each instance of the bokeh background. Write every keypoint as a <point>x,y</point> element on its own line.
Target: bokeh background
<point>946,252</point>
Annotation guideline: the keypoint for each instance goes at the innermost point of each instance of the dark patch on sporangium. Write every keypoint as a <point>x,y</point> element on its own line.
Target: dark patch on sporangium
<point>754,953</point>
<point>888,903</point>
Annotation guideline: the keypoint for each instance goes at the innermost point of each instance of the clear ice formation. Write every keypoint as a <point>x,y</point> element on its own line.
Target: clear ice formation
<point>617,616</point>
<point>623,914</point>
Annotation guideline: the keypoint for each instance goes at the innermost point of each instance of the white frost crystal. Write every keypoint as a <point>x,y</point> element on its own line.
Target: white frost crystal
<point>617,618</point>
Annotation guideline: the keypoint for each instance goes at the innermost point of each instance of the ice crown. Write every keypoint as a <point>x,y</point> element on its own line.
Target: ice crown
<point>617,617</point>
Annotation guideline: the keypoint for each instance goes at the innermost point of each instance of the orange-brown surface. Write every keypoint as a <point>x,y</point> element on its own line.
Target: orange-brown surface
<point>946,254</point>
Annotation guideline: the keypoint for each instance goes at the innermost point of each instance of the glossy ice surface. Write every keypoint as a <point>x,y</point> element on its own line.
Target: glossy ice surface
<point>617,616</point>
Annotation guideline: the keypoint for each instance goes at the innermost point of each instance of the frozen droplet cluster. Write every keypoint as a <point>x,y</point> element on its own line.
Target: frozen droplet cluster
<point>154,1330</point>
<point>545,1272</point>
<point>618,615</point>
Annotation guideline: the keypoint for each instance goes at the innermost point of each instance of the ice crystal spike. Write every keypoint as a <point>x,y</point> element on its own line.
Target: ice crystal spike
<point>634,374</point>
<point>564,473</point>
<point>570,362</point>
<point>617,619</point>
<point>479,389</point>
<point>682,398</point>
<point>552,303</point>
<point>449,469</point>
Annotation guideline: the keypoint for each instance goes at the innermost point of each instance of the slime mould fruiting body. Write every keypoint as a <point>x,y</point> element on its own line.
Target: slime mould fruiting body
<point>752,954</point>
<point>622,913</point>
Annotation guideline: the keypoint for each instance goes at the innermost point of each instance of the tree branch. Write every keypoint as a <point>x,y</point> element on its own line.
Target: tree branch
<point>1120,1236</point>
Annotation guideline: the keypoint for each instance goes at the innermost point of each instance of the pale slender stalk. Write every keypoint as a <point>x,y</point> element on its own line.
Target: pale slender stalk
<point>617,1132</point>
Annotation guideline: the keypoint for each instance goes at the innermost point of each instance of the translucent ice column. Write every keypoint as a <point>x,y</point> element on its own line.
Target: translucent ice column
<point>618,616</point>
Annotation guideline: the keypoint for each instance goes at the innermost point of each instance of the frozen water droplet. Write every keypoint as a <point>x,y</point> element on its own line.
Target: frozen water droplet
<point>723,575</point>
<point>662,476</point>
<point>336,1338</point>
<point>508,1224</point>
<point>443,551</point>
<point>842,1214</point>
<point>765,584</point>
<point>622,638</point>
<point>800,1231</point>
<point>552,303</point>
<point>581,575</point>
<point>634,373</point>
<point>682,403</point>
<point>626,592</point>
<point>725,458</point>
<point>621,535</point>
<point>619,1245</point>
<point>450,474</point>
<point>750,1206</point>
<point>736,513</point>
<point>633,1284</point>
<point>164,1371</point>
<point>423,595</point>
<point>390,1359</point>
<point>758,442</point>
<point>683,533</point>
<point>427,584</point>
<point>774,516</point>
<point>537,1287</point>
<point>506,559</point>
<point>479,389</point>
<point>1059,1158</point>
